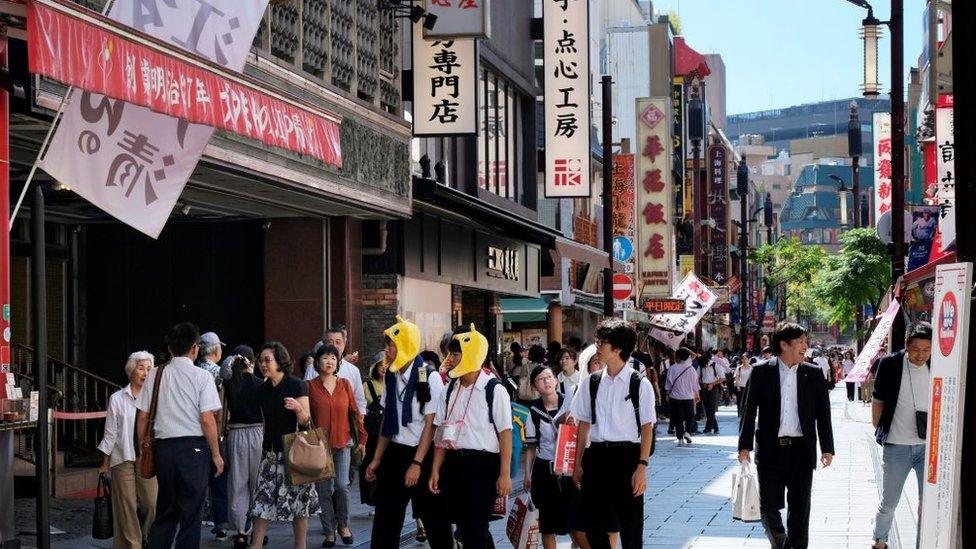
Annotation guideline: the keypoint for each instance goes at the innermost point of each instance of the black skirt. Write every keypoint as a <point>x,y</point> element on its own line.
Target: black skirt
<point>551,498</point>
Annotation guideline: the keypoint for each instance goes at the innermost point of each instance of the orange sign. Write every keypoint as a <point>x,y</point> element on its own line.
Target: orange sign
<point>933,477</point>
<point>665,305</point>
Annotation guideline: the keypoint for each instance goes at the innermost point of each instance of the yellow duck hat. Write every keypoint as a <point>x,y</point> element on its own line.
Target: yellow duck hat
<point>474,350</point>
<point>406,337</point>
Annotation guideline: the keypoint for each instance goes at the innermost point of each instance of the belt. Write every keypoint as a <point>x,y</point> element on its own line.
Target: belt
<point>467,452</point>
<point>789,441</point>
<point>235,426</point>
<point>614,444</point>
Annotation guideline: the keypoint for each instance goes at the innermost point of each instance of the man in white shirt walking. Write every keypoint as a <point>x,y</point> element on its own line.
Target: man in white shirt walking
<point>712,379</point>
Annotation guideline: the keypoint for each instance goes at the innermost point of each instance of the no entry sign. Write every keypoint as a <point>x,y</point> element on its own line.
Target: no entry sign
<point>623,287</point>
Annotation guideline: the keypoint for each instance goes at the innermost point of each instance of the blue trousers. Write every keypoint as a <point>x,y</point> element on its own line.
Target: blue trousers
<point>900,460</point>
<point>182,472</point>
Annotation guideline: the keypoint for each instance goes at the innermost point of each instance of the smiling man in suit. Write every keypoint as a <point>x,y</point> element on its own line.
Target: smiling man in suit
<point>791,400</point>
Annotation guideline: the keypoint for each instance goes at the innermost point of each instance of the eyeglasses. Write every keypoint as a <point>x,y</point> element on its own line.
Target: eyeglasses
<point>265,360</point>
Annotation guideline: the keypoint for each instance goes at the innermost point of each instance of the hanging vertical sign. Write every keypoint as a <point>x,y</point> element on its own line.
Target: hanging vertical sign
<point>567,98</point>
<point>459,19</point>
<point>654,198</point>
<point>947,401</point>
<point>882,164</point>
<point>623,195</point>
<point>945,169</point>
<point>445,86</point>
<point>678,145</point>
<point>718,211</point>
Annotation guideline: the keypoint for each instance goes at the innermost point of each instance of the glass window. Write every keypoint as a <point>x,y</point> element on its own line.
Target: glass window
<point>499,142</point>
<point>491,130</point>
<point>483,132</point>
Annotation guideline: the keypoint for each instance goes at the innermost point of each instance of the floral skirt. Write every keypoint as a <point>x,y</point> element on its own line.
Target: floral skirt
<point>275,499</point>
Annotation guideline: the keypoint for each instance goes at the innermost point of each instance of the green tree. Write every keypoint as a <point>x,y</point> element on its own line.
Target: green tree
<point>859,275</point>
<point>675,21</point>
<point>792,266</point>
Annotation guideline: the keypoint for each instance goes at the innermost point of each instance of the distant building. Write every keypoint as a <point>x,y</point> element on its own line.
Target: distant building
<point>715,92</point>
<point>812,212</point>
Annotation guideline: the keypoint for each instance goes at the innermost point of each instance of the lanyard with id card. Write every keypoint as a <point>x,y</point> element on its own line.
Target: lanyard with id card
<point>450,432</point>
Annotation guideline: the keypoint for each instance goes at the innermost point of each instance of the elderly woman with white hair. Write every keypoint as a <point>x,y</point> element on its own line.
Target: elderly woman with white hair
<point>133,497</point>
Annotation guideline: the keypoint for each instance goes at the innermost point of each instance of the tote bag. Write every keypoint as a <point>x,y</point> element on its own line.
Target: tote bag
<point>745,494</point>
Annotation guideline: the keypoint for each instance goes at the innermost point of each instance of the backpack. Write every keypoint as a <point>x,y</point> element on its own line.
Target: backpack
<point>634,396</point>
<point>489,397</point>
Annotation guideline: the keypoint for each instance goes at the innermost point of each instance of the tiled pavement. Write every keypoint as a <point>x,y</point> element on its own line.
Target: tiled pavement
<point>688,495</point>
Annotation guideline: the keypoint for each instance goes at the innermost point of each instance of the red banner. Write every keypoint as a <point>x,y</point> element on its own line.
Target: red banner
<point>67,48</point>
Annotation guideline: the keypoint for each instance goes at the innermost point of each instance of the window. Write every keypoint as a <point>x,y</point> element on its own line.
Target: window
<point>499,141</point>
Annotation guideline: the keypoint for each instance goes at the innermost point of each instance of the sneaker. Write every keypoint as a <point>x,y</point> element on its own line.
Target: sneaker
<point>221,535</point>
<point>687,438</point>
<point>681,442</point>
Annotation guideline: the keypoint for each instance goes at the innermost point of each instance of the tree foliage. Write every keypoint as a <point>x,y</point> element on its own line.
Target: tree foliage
<point>793,266</point>
<point>859,275</point>
<point>675,21</point>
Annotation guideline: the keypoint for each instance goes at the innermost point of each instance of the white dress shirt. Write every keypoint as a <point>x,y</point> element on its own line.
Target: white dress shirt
<point>789,415</point>
<point>567,383</point>
<point>824,366</point>
<point>902,429</point>
<point>545,438</point>
<point>347,371</point>
<point>615,413</point>
<point>470,404</point>
<point>409,435</point>
<point>714,371</point>
<point>120,427</point>
<point>185,393</point>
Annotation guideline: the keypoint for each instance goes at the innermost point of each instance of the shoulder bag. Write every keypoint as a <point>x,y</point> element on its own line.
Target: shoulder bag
<point>308,457</point>
<point>355,455</point>
<point>147,446</point>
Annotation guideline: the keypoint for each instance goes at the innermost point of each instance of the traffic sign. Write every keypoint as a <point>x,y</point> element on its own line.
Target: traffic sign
<point>623,287</point>
<point>623,248</point>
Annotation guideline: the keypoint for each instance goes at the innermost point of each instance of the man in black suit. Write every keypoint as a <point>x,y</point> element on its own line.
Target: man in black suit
<point>791,400</point>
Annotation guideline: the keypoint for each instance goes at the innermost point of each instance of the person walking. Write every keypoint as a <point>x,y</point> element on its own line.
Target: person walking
<point>185,430</point>
<point>846,366</point>
<point>682,388</point>
<point>211,350</point>
<point>742,375</point>
<point>712,378</point>
<point>899,413</point>
<point>333,405</point>
<point>336,336</point>
<point>284,405</point>
<point>245,436</point>
<point>374,388</point>
<point>615,412</point>
<point>133,497</point>
<point>790,398</point>
<point>568,376</point>
<point>402,463</point>
<point>473,453</point>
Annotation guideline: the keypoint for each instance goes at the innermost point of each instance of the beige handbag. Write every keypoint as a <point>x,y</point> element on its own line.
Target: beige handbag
<point>307,456</point>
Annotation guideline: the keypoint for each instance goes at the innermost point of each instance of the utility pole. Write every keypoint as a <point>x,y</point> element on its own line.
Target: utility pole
<point>39,316</point>
<point>742,189</point>
<point>696,132</point>
<point>897,25</point>
<point>854,151</point>
<point>607,84</point>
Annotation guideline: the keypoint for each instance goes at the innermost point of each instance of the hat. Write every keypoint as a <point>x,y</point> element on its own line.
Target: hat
<point>474,350</point>
<point>405,336</point>
<point>210,339</point>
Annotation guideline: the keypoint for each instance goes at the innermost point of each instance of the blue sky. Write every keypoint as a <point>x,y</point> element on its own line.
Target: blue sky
<point>780,53</point>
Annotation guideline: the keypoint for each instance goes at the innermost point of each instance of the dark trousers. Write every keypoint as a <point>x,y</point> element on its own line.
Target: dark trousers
<point>182,470</point>
<point>789,470</point>
<point>711,406</point>
<point>468,481</point>
<point>683,416</point>
<point>608,499</point>
<point>392,497</point>
<point>850,391</point>
<point>217,488</point>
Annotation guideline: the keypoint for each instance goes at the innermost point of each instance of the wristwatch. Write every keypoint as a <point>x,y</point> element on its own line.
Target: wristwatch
<point>642,462</point>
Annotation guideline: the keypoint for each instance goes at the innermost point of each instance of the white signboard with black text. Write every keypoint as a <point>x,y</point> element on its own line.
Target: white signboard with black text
<point>459,19</point>
<point>698,298</point>
<point>945,156</point>
<point>950,349</point>
<point>445,86</point>
<point>567,98</point>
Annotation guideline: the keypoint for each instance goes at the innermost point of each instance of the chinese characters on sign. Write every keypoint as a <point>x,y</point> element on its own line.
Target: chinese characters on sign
<point>654,198</point>
<point>622,193</point>
<point>677,145</point>
<point>459,19</point>
<point>718,210</point>
<point>567,98</point>
<point>672,328</point>
<point>503,263</point>
<point>445,86</point>
<point>945,155</point>
<point>126,159</point>
<point>882,164</point>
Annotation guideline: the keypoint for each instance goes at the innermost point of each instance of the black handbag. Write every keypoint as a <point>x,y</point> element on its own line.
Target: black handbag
<point>102,518</point>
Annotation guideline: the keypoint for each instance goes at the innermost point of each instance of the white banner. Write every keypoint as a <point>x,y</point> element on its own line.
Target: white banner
<point>567,98</point>
<point>459,19</point>
<point>882,164</point>
<point>130,161</point>
<point>445,86</point>
<point>950,350</point>
<point>945,157</point>
<point>862,365</point>
<point>698,300</point>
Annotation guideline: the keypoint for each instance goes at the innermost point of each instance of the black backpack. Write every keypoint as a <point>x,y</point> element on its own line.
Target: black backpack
<point>633,396</point>
<point>489,396</point>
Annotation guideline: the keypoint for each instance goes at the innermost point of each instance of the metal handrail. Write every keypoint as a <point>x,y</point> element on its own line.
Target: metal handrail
<point>66,366</point>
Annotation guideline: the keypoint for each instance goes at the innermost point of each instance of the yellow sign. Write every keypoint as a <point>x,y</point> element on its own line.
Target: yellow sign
<point>686,264</point>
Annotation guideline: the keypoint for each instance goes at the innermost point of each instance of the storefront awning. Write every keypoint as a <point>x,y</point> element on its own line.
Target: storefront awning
<point>587,254</point>
<point>531,309</point>
<point>687,61</point>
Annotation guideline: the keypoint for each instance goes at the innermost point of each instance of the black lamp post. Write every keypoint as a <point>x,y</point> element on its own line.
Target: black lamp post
<point>742,189</point>
<point>768,218</point>
<point>854,151</point>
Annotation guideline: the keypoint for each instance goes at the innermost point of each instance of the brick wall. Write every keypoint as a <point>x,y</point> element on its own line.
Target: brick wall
<point>380,306</point>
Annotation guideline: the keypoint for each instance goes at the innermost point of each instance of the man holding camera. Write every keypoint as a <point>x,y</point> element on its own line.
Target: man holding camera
<point>899,413</point>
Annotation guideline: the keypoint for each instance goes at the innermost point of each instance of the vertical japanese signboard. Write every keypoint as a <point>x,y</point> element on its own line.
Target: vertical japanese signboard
<point>567,98</point>
<point>623,195</point>
<point>678,145</point>
<point>671,328</point>
<point>950,350</point>
<point>946,169</point>
<point>882,164</point>
<point>718,211</point>
<point>654,198</point>
<point>445,86</point>
<point>459,19</point>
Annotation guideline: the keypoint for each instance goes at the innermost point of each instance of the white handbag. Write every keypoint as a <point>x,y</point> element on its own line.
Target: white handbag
<point>745,494</point>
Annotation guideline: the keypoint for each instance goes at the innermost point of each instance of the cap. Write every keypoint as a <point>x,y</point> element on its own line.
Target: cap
<point>210,339</point>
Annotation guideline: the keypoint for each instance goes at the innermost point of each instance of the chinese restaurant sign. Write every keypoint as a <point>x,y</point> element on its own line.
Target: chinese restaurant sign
<point>946,171</point>
<point>445,86</point>
<point>459,19</point>
<point>718,210</point>
<point>622,194</point>
<point>654,198</point>
<point>672,328</point>
<point>102,146</point>
<point>567,98</point>
<point>677,145</point>
<point>882,164</point>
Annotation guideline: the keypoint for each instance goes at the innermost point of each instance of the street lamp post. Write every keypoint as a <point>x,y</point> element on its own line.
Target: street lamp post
<point>854,151</point>
<point>742,189</point>
<point>768,218</point>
